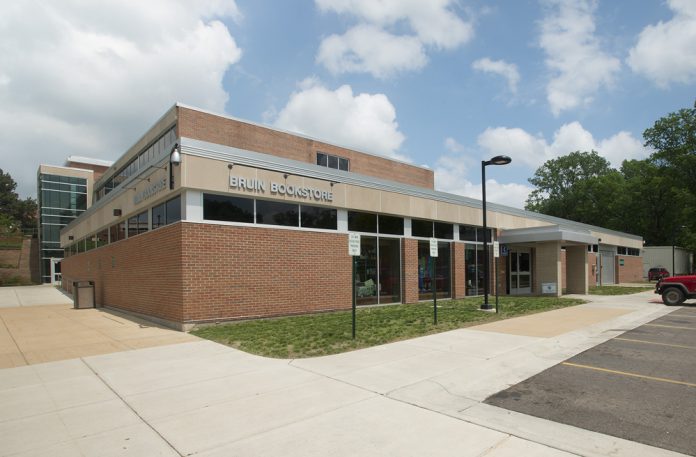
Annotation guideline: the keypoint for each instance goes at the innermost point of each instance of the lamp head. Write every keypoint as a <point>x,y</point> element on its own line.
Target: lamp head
<point>175,157</point>
<point>499,160</point>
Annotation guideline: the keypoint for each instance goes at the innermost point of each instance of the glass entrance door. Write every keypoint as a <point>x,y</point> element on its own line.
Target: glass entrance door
<point>520,271</point>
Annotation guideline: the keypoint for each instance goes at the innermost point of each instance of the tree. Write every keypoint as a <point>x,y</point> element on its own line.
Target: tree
<point>14,211</point>
<point>578,186</point>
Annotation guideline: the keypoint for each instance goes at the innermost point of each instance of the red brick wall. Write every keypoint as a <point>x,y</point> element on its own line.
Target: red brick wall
<point>631,271</point>
<point>409,270</point>
<point>220,130</point>
<point>142,274</point>
<point>591,269</point>
<point>233,272</point>
<point>458,271</point>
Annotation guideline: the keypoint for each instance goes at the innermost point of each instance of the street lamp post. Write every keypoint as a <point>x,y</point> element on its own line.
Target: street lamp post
<point>497,160</point>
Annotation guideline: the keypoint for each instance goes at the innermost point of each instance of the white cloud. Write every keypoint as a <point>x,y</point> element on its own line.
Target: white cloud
<point>450,176</point>
<point>666,52</point>
<point>578,65</point>
<point>367,47</point>
<point>85,78</point>
<point>499,67</point>
<point>453,145</point>
<point>366,122</point>
<point>533,151</point>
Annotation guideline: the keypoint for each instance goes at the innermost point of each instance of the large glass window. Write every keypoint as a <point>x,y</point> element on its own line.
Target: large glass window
<point>277,213</point>
<point>227,208</point>
<point>158,219</point>
<point>422,228</point>
<point>318,217</point>
<point>389,284</point>
<point>362,222</point>
<point>391,225</point>
<point>444,230</point>
<point>366,272</point>
<point>437,273</point>
<point>173,210</point>
<point>103,238</point>
<point>473,263</point>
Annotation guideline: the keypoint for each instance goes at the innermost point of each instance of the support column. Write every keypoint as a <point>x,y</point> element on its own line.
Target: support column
<point>458,271</point>
<point>577,269</point>
<point>409,270</point>
<point>548,266</point>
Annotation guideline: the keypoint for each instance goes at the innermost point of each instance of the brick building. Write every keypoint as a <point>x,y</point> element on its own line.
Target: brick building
<point>207,218</point>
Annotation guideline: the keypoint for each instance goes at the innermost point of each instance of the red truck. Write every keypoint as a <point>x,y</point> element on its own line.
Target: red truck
<point>676,289</point>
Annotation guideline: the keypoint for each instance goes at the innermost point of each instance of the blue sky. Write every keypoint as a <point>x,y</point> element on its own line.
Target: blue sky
<point>439,83</point>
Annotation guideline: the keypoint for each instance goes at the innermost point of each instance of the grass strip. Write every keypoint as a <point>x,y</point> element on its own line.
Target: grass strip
<point>618,290</point>
<point>330,333</point>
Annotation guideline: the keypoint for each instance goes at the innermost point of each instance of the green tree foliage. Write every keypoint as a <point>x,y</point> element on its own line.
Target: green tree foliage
<point>15,212</point>
<point>654,198</point>
<point>576,186</point>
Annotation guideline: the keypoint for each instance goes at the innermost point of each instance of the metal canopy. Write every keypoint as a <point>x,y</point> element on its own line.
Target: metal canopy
<point>549,233</point>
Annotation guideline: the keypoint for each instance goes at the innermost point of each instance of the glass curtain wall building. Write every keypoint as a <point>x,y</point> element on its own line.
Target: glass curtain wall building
<point>61,199</point>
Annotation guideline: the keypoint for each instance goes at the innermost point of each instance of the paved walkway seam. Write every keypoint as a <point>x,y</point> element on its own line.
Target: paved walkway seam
<point>130,407</point>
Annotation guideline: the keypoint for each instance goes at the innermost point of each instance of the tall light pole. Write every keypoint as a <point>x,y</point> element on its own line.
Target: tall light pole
<point>497,160</point>
<point>674,237</point>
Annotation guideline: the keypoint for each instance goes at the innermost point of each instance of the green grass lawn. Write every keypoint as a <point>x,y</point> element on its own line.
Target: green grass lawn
<point>330,333</point>
<point>618,290</point>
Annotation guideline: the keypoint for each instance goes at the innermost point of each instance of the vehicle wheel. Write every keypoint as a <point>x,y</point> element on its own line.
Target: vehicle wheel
<point>672,296</point>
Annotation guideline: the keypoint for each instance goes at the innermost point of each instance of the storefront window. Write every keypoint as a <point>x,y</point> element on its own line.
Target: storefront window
<point>277,213</point>
<point>362,222</point>
<point>389,284</point>
<point>473,262</point>
<point>229,209</point>
<point>158,219</point>
<point>442,274</point>
<point>173,210</point>
<point>318,217</point>
<point>422,228</point>
<point>366,272</point>
<point>391,225</point>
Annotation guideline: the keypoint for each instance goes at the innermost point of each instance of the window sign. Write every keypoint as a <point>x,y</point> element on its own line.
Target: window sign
<point>433,247</point>
<point>353,244</point>
<point>496,249</point>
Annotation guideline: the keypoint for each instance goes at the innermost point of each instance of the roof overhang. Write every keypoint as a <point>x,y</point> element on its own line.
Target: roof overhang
<point>549,233</point>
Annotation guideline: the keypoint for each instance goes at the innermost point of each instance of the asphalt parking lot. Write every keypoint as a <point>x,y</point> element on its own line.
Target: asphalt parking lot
<point>639,386</point>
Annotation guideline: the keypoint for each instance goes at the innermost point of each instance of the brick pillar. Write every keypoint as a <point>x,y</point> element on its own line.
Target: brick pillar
<point>548,266</point>
<point>591,269</point>
<point>577,269</point>
<point>409,270</point>
<point>458,271</point>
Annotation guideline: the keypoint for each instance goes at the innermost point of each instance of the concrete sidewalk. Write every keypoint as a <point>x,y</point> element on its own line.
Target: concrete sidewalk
<point>39,324</point>
<point>415,397</point>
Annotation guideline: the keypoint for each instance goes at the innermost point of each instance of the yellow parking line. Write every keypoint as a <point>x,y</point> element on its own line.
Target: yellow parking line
<point>656,343</point>
<point>670,326</point>
<point>633,375</point>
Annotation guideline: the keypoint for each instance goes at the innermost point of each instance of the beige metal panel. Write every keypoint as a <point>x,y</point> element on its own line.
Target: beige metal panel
<point>470,216</point>
<point>447,212</point>
<point>393,203</point>
<point>363,199</point>
<point>422,208</point>
<point>126,202</point>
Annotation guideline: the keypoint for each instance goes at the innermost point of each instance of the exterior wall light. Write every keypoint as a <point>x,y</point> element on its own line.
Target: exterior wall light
<point>175,160</point>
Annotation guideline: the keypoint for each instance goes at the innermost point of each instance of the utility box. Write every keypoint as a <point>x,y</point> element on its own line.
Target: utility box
<point>83,294</point>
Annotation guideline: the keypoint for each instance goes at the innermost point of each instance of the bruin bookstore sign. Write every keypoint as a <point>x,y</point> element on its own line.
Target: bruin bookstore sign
<point>276,188</point>
<point>150,190</point>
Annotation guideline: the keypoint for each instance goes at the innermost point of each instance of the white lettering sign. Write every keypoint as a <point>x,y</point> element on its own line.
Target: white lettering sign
<point>150,190</point>
<point>353,244</point>
<point>258,186</point>
<point>496,249</point>
<point>433,247</point>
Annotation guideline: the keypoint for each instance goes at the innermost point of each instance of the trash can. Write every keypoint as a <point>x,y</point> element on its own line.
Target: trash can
<point>83,294</point>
